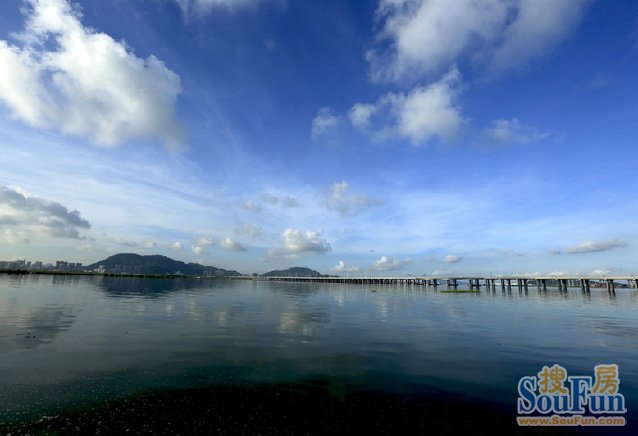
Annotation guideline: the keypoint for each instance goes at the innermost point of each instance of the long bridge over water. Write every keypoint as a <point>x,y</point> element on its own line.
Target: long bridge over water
<point>474,282</point>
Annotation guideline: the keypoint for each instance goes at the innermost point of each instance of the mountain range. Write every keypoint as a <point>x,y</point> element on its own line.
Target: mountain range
<point>130,263</point>
<point>297,271</point>
<point>156,264</point>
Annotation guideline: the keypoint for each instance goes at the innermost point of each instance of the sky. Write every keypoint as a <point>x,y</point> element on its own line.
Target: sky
<point>386,137</point>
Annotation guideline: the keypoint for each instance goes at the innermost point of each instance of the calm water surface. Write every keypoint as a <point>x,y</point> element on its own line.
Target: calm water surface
<point>70,341</point>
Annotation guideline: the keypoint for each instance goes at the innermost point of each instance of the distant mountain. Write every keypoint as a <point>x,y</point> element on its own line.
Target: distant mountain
<point>130,263</point>
<point>297,271</point>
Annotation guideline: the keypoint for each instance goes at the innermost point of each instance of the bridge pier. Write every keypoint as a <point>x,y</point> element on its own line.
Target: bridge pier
<point>610,286</point>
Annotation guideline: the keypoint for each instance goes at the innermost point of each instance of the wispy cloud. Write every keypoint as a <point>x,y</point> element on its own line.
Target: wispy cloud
<point>346,203</point>
<point>62,75</point>
<point>594,247</point>
<point>291,202</point>
<point>252,206</point>
<point>450,258</point>
<point>203,7</point>
<point>249,230</point>
<point>324,123</point>
<point>270,199</point>
<point>505,132</point>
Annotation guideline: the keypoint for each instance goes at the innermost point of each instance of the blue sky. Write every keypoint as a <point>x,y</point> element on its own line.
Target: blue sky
<point>381,137</point>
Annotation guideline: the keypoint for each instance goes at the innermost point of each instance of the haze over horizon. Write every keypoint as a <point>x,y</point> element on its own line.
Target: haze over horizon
<point>394,136</point>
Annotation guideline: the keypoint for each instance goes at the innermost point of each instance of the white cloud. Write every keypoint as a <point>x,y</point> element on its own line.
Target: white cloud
<point>25,213</point>
<point>203,7</point>
<point>177,246</point>
<point>200,245</point>
<point>601,272</point>
<point>324,123</point>
<point>450,258</point>
<point>342,267</point>
<point>593,247</point>
<point>65,76</point>
<point>511,132</point>
<point>204,241</point>
<point>559,274</point>
<point>425,36</point>
<point>360,115</point>
<point>230,244</point>
<point>198,249</point>
<point>296,241</point>
<point>531,274</point>
<point>344,203</point>
<point>14,236</point>
<point>424,113</point>
<point>389,263</point>
<point>538,25</point>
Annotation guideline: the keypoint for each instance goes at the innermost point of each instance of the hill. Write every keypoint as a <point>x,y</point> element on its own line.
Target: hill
<point>297,271</point>
<point>130,263</point>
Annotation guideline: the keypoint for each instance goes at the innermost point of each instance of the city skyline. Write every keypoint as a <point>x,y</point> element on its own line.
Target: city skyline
<point>405,137</point>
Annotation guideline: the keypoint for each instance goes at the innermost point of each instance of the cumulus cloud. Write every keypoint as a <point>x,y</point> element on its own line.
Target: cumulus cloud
<point>62,75</point>
<point>594,247</point>
<point>450,258</point>
<point>324,123</point>
<point>198,249</point>
<point>200,245</point>
<point>511,132</point>
<point>24,213</point>
<point>424,36</point>
<point>389,263</point>
<point>426,112</point>
<point>230,244</point>
<point>342,267</point>
<point>296,241</point>
<point>361,113</point>
<point>177,246</point>
<point>345,203</point>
